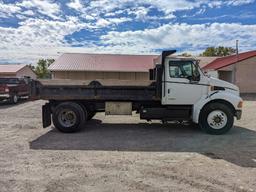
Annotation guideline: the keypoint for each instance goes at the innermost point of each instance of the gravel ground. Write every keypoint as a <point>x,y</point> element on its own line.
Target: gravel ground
<point>123,154</point>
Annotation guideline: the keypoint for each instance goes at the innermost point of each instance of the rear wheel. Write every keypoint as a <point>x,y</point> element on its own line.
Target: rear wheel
<point>69,117</point>
<point>216,119</point>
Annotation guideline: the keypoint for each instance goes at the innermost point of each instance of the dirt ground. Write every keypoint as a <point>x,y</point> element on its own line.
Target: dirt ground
<point>123,154</point>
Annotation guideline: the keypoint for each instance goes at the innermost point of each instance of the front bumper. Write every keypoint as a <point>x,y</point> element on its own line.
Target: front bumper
<point>238,114</point>
<point>4,96</point>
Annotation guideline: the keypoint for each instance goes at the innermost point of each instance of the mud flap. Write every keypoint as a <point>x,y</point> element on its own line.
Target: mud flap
<point>46,115</point>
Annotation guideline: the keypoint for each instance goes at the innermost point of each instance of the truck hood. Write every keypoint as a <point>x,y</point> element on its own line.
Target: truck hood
<point>224,84</point>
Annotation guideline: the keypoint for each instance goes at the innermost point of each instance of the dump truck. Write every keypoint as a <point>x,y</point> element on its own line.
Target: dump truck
<point>177,90</point>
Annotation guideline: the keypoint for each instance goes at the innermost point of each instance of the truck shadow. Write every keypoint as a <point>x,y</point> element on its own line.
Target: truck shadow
<point>238,146</point>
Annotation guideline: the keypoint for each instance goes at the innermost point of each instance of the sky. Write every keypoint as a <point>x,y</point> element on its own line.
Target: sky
<point>34,29</point>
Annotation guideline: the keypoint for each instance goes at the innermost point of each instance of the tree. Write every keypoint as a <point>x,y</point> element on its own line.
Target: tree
<point>42,71</point>
<point>218,51</point>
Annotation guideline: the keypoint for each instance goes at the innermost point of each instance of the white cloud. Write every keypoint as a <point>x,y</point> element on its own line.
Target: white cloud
<point>37,37</point>
<point>239,2</point>
<point>166,6</point>
<point>139,12</point>
<point>89,17</point>
<point>110,21</point>
<point>45,7</point>
<point>119,20</point>
<point>178,36</point>
<point>140,8</point>
<point>7,10</point>
<point>218,3</point>
<point>75,4</point>
<point>28,12</point>
<point>102,23</point>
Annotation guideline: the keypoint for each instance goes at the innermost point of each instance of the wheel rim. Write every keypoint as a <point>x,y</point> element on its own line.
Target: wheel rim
<point>15,99</point>
<point>67,118</point>
<point>217,119</point>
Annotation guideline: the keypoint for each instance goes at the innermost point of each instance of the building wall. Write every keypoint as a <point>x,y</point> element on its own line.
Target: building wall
<point>228,68</point>
<point>7,75</point>
<point>246,75</point>
<point>90,75</point>
<point>226,76</point>
<point>26,71</point>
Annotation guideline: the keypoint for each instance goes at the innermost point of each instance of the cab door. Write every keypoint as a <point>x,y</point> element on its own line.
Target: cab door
<point>23,88</point>
<point>184,83</point>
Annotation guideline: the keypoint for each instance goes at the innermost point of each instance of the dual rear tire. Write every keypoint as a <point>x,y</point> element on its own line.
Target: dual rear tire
<point>70,117</point>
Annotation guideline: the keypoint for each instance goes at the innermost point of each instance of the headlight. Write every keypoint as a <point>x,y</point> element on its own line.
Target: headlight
<point>7,89</point>
<point>216,88</point>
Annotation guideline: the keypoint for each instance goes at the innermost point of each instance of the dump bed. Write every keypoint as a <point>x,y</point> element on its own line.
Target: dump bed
<point>99,89</point>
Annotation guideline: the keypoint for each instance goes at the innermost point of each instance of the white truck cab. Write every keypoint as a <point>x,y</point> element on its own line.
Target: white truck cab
<point>214,102</point>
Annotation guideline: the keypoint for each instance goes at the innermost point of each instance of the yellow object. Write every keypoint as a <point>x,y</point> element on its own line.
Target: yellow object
<point>240,104</point>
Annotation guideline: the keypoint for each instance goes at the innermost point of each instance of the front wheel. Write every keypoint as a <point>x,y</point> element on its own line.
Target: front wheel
<point>216,119</point>
<point>14,99</point>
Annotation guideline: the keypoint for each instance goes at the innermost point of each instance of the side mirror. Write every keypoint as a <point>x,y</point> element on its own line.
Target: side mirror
<point>197,77</point>
<point>194,78</point>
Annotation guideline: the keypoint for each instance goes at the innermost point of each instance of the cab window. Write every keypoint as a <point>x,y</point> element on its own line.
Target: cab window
<point>182,69</point>
<point>175,71</point>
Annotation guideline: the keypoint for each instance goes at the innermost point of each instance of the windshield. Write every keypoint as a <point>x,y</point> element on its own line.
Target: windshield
<point>9,81</point>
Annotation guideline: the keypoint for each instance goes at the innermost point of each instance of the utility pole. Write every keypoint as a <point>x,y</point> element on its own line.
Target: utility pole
<point>237,59</point>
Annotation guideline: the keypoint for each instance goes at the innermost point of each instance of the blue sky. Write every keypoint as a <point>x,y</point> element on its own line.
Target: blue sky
<point>33,29</point>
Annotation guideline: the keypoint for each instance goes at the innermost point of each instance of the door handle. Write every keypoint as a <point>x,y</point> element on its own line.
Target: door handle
<point>168,91</point>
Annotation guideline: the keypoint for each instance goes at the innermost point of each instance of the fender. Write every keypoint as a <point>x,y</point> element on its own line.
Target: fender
<point>216,95</point>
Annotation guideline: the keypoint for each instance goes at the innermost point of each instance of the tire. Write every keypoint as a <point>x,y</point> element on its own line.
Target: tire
<point>91,114</point>
<point>14,99</point>
<point>216,119</point>
<point>69,117</point>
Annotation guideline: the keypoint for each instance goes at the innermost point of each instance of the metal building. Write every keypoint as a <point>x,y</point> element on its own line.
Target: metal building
<point>17,70</point>
<point>84,66</point>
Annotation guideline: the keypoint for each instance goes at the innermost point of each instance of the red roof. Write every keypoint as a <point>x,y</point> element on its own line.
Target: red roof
<point>229,60</point>
<point>103,62</point>
<point>10,68</point>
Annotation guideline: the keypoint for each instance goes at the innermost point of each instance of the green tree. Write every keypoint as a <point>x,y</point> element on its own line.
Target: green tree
<point>218,51</point>
<point>42,71</point>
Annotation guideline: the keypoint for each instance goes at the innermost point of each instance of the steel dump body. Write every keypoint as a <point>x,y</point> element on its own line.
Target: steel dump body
<point>95,90</point>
